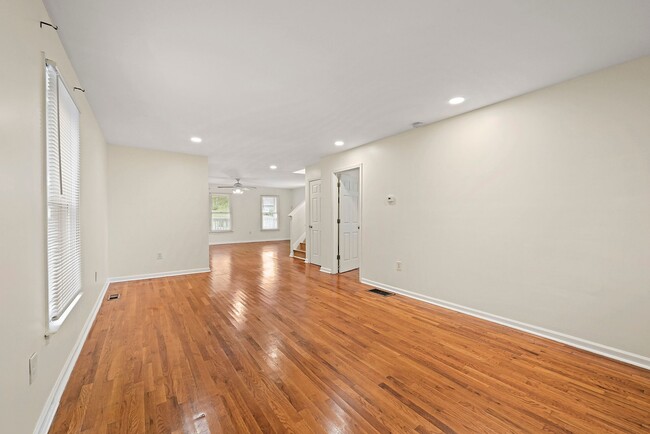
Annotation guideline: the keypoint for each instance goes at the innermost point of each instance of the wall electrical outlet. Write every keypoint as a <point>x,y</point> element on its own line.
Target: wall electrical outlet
<point>159,256</point>
<point>33,367</point>
<point>398,265</point>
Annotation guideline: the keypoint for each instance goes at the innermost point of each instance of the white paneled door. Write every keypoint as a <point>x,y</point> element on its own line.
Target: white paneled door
<point>314,241</point>
<point>349,221</point>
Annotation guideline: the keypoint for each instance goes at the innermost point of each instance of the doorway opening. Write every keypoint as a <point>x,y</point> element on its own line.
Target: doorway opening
<point>348,219</point>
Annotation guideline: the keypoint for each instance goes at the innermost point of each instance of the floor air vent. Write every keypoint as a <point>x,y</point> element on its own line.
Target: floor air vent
<point>113,297</point>
<point>381,292</point>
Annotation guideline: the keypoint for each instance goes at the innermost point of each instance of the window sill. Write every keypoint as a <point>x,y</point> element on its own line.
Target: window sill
<point>53,326</point>
<point>270,230</point>
<point>221,232</point>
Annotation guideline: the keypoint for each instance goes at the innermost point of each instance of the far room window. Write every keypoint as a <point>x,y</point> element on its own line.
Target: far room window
<point>62,142</point>
<point>220,218</point>
<point>270,213</point>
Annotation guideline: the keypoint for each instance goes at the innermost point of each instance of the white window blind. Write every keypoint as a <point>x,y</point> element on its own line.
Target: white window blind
<point>63,179</point>
<point>220,216</point>
<point>269,213</point>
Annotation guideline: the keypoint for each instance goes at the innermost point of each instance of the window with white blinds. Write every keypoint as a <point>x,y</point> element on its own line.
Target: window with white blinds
<point>63,179</point>
<point>269,207</point>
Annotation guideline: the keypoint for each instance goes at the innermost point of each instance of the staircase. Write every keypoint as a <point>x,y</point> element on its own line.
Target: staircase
<point>298,231</point>
<point>301,251</point>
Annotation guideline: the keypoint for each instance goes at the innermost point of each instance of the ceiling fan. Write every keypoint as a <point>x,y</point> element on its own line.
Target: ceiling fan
<point>237,187</point>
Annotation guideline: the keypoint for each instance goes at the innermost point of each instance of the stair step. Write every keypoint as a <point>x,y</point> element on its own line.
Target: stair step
<point>297,253</point>
<point>303,246</point>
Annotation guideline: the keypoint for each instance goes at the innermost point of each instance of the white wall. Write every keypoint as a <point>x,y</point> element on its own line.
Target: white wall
<point>297,196</point>
<point>536,209</point>
<point>246,216</point>
<point>23,287</point>
<point>157,204</point>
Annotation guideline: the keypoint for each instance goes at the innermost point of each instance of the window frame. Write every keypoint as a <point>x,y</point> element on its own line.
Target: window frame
<point>211,212</point>
<point>277,212</point>
<point>57,313</point>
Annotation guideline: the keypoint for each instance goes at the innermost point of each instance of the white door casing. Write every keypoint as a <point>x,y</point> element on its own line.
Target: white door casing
<point>314,241</point>
<point>350,223</point>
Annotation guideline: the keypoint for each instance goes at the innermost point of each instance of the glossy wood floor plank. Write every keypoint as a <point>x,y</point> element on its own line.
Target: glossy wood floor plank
<point>265,343</point>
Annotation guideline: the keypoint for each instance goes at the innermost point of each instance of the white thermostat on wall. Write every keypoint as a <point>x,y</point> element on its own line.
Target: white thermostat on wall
<point>390,199</point>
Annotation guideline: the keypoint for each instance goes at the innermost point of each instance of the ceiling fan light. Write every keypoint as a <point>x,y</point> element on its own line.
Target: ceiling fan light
<point>237,190</point>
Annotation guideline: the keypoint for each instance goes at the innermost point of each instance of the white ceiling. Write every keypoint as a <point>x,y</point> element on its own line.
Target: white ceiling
<point>277,82</point>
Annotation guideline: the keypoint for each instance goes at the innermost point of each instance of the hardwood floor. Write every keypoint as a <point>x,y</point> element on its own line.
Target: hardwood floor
<point>265,343</point>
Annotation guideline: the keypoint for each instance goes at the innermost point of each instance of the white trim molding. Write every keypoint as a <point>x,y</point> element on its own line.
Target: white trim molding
<point>248,241</point>
<point>158,275</point>
<point>325,270</point>
<point>52,403</point>
<point>593,347</point>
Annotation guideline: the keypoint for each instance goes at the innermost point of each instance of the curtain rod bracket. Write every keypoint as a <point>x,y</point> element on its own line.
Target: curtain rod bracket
<point>48,24</point>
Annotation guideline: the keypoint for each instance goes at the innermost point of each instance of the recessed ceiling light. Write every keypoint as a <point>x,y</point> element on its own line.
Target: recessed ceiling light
<point>339,143</point>
<point>300,172</point>
<point>457,100</point>
<point>273,167</point>
<point>196,140</point>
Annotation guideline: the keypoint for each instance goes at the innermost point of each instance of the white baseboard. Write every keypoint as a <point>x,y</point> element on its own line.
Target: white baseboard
<point>325,270</point>
<point>603,350</point>
<point>158,275</point>
<point>52,403</point>
<point>248,241</point>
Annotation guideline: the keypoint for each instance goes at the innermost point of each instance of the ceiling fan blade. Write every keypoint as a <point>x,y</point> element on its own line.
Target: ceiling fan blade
<point>249,188</point>
<point>225,186</point>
